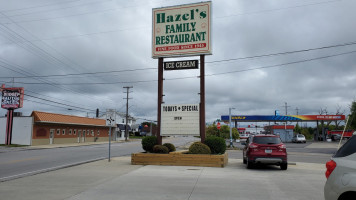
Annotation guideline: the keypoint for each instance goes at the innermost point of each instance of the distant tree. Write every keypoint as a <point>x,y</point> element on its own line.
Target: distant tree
<point>224,131</point>
<point>297,129</point>
<point>148,124</point>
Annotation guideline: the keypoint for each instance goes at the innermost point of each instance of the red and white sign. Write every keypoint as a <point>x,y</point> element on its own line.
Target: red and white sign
<point>218,125</point>
<point>182,30</point>
<point>12,98</point>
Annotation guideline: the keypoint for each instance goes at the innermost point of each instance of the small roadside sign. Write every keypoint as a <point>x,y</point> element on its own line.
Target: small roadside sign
<point>110,117</point>
<point>218,125</point>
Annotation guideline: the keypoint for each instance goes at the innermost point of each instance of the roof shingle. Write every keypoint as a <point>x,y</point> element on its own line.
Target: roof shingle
<point>66,119</point>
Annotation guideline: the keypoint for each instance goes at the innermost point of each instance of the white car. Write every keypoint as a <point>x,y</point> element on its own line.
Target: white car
<point>341,173</point>
<point>299,138</point>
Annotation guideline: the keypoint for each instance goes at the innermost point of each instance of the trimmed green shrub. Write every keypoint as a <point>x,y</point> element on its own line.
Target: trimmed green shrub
<point>170,147</point>
<point>217,145</point>
<point>199,148</point>
<point>148,143</point>
<point>160,149</point>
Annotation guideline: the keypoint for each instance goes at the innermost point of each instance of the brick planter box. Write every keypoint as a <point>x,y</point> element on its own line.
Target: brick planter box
<point>180,158</point>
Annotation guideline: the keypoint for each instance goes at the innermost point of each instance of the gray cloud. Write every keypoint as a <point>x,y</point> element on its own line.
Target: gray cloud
<point>115,35</point>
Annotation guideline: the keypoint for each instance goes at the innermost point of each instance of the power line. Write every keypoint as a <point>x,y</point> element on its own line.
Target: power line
<point>278,9</point>
<point>207,75</point>
<point>41,50</point>
<point>43,103</point>
<point>234,15</point>
<point>286,52</point>
<point>39,6</point>
<point>55,9</point>
<point>86,73</point>
<point>59,103</point>
<point>217,61</point>
<point>74,15</point>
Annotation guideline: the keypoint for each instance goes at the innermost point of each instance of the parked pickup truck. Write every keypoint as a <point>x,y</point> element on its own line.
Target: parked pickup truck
<point>336,134</point>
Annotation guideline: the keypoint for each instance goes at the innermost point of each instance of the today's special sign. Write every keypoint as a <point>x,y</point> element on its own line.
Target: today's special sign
<point>183,30</point>
<point>180,119</point>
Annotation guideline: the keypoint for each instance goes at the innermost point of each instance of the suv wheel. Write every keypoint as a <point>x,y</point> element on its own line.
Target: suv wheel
<point>284,166</point>
<point>244,160</point>
<point>249,164</point>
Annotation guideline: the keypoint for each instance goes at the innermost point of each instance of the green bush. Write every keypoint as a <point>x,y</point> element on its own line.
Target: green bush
<point>199,148</point>
<point>160,149</point>
<point>148,143</point>
<point>170,147</point>
<point>217,145</point>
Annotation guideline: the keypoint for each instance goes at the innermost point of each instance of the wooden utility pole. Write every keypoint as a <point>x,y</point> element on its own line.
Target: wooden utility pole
<point>127,110</point>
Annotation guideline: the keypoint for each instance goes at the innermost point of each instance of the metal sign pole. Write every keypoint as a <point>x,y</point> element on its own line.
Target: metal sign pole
<point>9,125</point>
<point>202,98</point>
<point>160,97</point>
<point>109,142</point>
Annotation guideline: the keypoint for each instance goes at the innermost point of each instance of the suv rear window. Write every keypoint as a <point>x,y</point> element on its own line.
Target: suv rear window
<point>267,140</point>
<point>347,149</point>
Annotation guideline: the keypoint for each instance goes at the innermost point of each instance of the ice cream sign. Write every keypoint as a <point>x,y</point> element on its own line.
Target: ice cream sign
<point>182,30</point>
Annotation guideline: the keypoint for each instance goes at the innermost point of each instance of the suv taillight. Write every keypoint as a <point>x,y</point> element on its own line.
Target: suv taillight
<point>283,146</point>
<point>330,166</point>
<point>253,146</point>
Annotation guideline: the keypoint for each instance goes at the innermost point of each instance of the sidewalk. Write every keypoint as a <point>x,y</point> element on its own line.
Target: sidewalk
<point>121,180</point>
<point>48,146</point>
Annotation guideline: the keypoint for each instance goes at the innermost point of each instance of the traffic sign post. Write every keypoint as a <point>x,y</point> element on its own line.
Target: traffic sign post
<point>110,121</point>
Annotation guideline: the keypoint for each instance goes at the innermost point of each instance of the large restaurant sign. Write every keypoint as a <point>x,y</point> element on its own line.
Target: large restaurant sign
<point>180,119</point>
<point>182,30</point>
<point>12,98</point>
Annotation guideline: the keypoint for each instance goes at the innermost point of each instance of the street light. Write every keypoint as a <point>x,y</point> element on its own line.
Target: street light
<point>230,126</point>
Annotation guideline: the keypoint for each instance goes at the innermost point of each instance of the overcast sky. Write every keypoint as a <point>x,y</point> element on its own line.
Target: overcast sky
<point>107,43</point>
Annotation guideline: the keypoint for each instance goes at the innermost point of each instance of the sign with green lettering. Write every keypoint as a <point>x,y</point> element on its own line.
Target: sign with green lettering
<point>183,30</point>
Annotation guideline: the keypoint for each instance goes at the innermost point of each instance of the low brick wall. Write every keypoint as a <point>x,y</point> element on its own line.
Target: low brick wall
<point>179,159</point>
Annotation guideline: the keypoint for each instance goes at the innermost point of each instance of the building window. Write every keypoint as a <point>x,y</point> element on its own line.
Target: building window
<point>75,132</point>
<point>58,131</point>
<point>88,132</point>
<point>70,131</point>
<point>83,132</point>
<point>92,133</point>
<point>63,131</point>
<point>123,120</point>
<point>98,132</point>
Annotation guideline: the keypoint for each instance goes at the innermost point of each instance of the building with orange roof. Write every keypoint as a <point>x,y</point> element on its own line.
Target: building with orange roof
<point>43,128</point>
<point>51,128</point>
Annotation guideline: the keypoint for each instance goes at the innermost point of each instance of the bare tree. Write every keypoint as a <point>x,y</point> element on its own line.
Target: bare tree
<point>339,111</point>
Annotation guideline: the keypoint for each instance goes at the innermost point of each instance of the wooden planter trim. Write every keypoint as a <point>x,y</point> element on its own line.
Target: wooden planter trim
<point>180,158</point>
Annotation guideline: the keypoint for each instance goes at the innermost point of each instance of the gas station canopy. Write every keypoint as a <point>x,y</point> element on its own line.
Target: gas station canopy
<point>281,118</point>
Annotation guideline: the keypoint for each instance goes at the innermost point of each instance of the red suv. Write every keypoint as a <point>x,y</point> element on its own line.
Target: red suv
<point>265,149</point>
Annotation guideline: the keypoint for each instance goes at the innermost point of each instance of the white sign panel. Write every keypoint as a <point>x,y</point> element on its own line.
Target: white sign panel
<point>180,119</point>
<point>181,30</point>
<point>110,117</point>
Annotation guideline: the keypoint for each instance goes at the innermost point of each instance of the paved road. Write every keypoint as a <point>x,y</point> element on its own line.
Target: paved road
<point>20,162</point>
<point>297,152</point>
